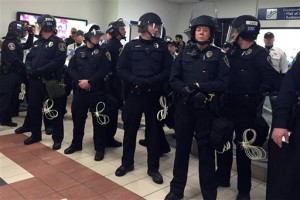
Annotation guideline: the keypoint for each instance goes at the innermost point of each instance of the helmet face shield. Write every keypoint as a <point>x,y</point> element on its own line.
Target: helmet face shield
<point>47,23</point>
<point>95,39</point>
<point>155,30</point>
<point>245,26</point>
<point>96,33</point>
<point>95,36</point>
<point>93,33</point>
<point>232,34</point>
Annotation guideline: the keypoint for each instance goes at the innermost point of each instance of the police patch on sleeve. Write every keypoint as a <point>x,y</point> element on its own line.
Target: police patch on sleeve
<point>62,46</point>
<point>269,59</point>
<point>226,61</point>
<point>11,46</point>
<point>108,56</point>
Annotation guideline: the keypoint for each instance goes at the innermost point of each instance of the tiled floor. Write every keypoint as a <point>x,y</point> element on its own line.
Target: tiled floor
<point>38,172</point>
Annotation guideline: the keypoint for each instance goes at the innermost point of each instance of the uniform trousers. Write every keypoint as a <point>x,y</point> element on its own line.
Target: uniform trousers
<point>190,123</point>
<point>243,117</point>
<point>8,86</point>
<point>135,105</point>
<point>84,101</point>
<point>37,96</point>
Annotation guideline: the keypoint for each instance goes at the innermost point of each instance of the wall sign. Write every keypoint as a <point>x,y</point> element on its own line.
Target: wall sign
<point>288,13</point>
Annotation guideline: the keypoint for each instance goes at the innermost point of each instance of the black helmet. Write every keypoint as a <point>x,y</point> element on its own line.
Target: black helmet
<point>113,27</point>
<point>204,20</point>
<point>247,27</point>
<point>92,30</point>
<point>148,18</point>
<point>47,23</point>
<point>15,29</point>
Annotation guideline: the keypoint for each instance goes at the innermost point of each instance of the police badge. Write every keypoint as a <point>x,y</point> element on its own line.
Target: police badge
<point>209,54</point>
<point>96,51</point>
<point>11,46</point>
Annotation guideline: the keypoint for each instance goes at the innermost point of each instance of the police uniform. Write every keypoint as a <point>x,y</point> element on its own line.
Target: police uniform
<point>113,87</point>
<point>12,72</point>
<point>209,68</point>
<point>284,163</point>
<point>44,62</point>
<point>250,72</point>
<point>144,65</point>
<point>92,64</point>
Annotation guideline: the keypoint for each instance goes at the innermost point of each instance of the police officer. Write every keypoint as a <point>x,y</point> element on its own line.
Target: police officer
<point>12,69</point>
<point>144,64</point>
<point>284,148</point>
<point>251,74</point>
<point>44,64</point>
<point>117,31</point>
<point>88,68</point>
<point>200,70</point>
<point>279,60</point>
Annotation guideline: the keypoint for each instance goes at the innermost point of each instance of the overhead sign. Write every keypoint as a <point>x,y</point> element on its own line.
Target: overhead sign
<point>288,13</point>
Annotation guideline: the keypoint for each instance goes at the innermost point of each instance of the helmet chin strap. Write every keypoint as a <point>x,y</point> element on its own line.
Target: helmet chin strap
<point>122,37</point>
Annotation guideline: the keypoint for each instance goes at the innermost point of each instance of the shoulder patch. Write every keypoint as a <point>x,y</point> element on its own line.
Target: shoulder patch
<point>62,46</point>
<point>11,46</point>
<point>108,55</point>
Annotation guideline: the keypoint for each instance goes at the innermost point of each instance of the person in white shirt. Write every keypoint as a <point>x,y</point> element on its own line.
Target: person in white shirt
<point>279,60</point>
<point>78,37</point>
<point>278,56</point>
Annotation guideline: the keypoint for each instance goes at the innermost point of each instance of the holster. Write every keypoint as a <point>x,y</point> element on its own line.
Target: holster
<point>221,133</point>
<point>54,88</point>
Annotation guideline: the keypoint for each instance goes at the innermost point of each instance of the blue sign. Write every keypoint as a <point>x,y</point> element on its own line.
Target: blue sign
<point>288,13</point>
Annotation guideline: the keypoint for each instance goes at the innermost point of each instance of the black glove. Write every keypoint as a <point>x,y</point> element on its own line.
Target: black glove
<point>140,85</point>
<point>187,91</point>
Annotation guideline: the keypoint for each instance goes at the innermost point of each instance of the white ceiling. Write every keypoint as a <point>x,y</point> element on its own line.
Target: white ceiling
<point>184,1</point>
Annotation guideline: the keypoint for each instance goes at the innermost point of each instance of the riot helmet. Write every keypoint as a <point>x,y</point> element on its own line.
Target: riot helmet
<point>204,20</point>
<point>150,19</point>
<point>93,33</point>
<point>114,28</point>
<point>46,23</point>
<point>245,26</point>
<point>15,30</point>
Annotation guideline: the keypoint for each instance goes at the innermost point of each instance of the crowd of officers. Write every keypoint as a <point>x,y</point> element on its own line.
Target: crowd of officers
<point>216,96</point>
